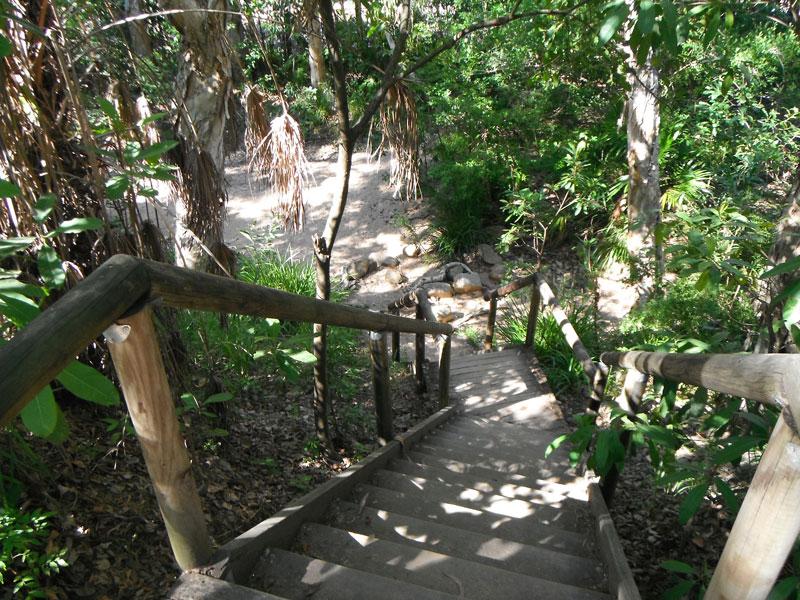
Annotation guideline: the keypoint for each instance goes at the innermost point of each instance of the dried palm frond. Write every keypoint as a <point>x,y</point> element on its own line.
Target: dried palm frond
<point>289,169</point>
<point>399,122</point>
<point>256,137</point>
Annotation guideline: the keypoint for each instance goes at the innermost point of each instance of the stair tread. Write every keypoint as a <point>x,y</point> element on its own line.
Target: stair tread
<point>525,530</point>
<point>428,568</point>
<point>555,510</point>
<point>299,577</point>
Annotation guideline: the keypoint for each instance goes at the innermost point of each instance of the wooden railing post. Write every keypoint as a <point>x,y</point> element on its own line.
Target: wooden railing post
<point>137,360</point>
<point>597,389</point>
<point>533,314</point>
<point>396,340</point>
<point>380,380</point>
<point>444,371</point>
<point>629,400</point>
<point>487,340</point>
<point>419,356</point>
<point>767,525</point>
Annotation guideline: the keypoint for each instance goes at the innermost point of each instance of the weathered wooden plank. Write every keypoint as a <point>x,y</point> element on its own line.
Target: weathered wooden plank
<point>510,288</point>
<point>137,360</point>
<point>767,378</point>
<point>37,353</point>
<point>184,288</point>
<point>194,586</point>
<point>767,525</point>
<point>620,578</point>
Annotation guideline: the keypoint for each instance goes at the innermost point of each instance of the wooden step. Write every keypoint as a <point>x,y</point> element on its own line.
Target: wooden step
<point>557,511</point>
<point>426,568</point>
<point>495,484</point>
<point>298,577</point>
<point>524,530</point>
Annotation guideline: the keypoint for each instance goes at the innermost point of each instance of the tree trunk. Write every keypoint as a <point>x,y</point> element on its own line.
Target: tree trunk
<point>644,196</point>
<point>316,57</point>
<point>137,30</point>
<point>203,90</point>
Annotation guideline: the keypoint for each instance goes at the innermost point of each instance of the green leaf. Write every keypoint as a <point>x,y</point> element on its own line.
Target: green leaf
<point>612,23</point>
<point>43,207</point>
<point>13,245</point>
<point>20,309</point>
<point>6,48</point>
<point>14,286</point>
<point>730,498</point>
<point>784,588</point>
<point>79,225</point>
<point>61,431</point>
<point>117,185</point>
<point>152,118</point>
<point>791,307</point>
<point>88,384</point>
<point>679,590</point>
<point>217,398</point>
<point>608,452</point>
<point>677,566</point>
<point>734,450</point>
<point>553,446</point>
<point>691,503</point>
<point>156,150</point>
<point>647,17</point>
<point>729,19</point>
<point>50,269</point>
<point>789,266</point>
<point>303,356</point>
<point>40,415</point>
<point>8,189</point>
<point>669,25</point>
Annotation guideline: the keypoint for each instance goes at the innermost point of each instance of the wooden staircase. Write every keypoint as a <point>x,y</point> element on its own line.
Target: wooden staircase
<point>466,506</point>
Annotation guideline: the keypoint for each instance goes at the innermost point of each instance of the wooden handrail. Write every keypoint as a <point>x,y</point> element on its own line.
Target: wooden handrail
<point>38,352</point>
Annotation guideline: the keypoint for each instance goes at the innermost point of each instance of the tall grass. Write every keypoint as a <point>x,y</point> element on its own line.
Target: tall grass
<point>564,373</point>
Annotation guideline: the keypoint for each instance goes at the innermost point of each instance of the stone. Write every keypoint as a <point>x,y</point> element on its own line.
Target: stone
<point>395,277</point>
<point>439,290</point>
<point>443,313</point>
<point>358,269</point>
<point>487,281</point>
<point>453,271</point>
<point>390,262</point>
<point>411,250</point>
<point>467,282</point>
<point>496,272</point>
<point>489,255</point>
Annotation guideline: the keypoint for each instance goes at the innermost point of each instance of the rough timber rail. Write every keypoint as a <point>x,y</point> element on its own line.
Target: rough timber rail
<point>461,505</point>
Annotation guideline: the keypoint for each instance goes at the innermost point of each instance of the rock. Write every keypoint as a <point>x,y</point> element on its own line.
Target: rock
<point>486,280</point>
<point>390,262</point>
<point>358,269</point>
<point>439,290</point>
<point>453,271</point>
<point>496,272</point>
<point>395,277</point>
<point>443,313</point>
<point>411,250</point>
<point>488,255</point>
<point>467,282</point>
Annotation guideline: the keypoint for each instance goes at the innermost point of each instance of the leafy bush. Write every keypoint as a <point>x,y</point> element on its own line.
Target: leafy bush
<point>26,558</point>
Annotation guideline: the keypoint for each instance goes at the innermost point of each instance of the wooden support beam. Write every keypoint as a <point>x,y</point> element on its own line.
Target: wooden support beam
<point>137,360</point>
<point>380,381</point>
<point>419,357</point>
<point>533,316</point>
<point>767,525</point>
<point>489,337</point>
<point>396,340</point>
<point>509,288</point>
<point>444,371</point>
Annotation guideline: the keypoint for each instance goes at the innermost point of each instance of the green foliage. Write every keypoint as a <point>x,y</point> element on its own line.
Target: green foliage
<point>26,557</point>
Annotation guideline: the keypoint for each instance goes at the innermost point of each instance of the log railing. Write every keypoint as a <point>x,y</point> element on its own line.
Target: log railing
<point>116,299</point>
<point>768,522</point>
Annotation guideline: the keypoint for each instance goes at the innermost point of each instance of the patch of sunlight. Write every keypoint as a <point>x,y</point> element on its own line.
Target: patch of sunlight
<point>363,540</point>
<point>454,509</point>
<point>403,531</point>
<point>470,494</point>
<point>512,491</point>
<point>510,508</point>
<point>384,516</point>
<point>318,571</point>
<point>500,523</point>
<point>498,549</point>
<point>416,482</point>
<point>424,560</point>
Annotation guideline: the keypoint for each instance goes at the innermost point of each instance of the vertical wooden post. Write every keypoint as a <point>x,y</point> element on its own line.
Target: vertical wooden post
<point>137,360</point>
<point>767,525</point>
<point>419,356</point>
<point>597,388</point>
<point>396,340</point>
<point>533,314</point>
<point>629,399</point>
<point>487,340</point>
<point>380,380</point>
<point>444,371</point>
